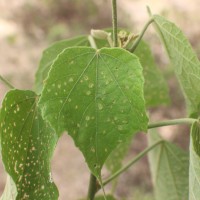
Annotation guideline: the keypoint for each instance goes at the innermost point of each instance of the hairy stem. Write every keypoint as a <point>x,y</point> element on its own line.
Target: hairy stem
<point>6,82</point>
<point>172,122</point>
<point>133,161</point>
<point>137,41</point>
<point>114,22</point>
<point>92,187</point>
<point>92,42</point>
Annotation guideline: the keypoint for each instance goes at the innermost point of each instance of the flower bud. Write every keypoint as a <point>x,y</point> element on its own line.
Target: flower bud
<point>100,34</point>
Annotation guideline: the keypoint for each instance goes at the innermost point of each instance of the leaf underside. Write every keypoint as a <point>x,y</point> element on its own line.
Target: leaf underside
<point>27,145</point>
<point>169,168</point>
<point>114,161</point>
<point>194,172</point>
<point>184,60</point>
<point>155,87</point>
<point>97,97</point>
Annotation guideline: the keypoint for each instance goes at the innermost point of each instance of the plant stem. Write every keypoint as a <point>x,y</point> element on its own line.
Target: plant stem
<point>92,42</point>
<point>137,41</point>
<point>172,122</point>
<point>114,22</point>
<point>6,82</point>
<point>92,187</point>
<point>134,160</point>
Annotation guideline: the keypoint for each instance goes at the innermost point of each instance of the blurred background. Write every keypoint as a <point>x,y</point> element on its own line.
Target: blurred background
<point>27,27</point>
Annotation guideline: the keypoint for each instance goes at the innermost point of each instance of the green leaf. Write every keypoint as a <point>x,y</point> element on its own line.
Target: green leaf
<point>155,87</point>
<point>114,161</point>
<point>184,60</point>
<point>27,145</point>
<point>169,168</point>
<point>10,191</point>
<point>50,54</point>
<point>194,172</point>
<point>97,96</point>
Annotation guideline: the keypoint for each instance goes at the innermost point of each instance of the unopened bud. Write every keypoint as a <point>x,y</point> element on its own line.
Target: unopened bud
<point>99,34</point>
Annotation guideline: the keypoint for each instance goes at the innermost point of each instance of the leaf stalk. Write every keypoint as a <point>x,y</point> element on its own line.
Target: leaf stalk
<point>137,41</point>
<point>133,161</point>
<point>114,22</point>
<point>172,122</point>
<point>9,85</point>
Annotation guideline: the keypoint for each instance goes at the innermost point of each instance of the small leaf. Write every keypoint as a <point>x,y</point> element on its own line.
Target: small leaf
<point>194,172</point>
<point>169,169</point>
<point>184,60</point>
<point>27,145</point>
<point>50,54</point>
<point>155,87</point>
<point>97,96</point>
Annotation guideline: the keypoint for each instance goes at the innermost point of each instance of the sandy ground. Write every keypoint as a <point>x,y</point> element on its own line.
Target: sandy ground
<point>19,60</point>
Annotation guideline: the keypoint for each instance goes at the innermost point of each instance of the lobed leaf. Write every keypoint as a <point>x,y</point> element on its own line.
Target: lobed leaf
<point>155,87</point>
<point>50,54</point>
<point>184,60</point>
<point>27,145</point>
<point>97,96</point>
<point>169,168</point>
<point>194,172</point>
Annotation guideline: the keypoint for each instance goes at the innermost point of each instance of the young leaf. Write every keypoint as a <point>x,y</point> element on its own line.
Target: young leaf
<point>194,172</point>
<point>27,145</point>
<point>10,191</point>
<point>169,168</point>
<point>184,59</point>
<point>97,96</point>
<point>155,87</point>
<point>50,54</point>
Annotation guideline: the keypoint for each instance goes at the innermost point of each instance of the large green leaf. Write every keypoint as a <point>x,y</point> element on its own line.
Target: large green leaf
<point>184,59</point>
<point>50,54</point>
<point>194,172</point>
<point>27,145</point>
<point>155,87</point>
<point>169,167</point>
<point>97,96</point>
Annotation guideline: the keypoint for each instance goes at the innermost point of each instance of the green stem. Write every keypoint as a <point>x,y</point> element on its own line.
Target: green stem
<point>138,157</point>
<point>144,152</point>
<point>137,41</point>
<point>6,82</point>
<point>172,122</point>
<point>92,42</point>
<point>114,22</point>
<point>93,185</point>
